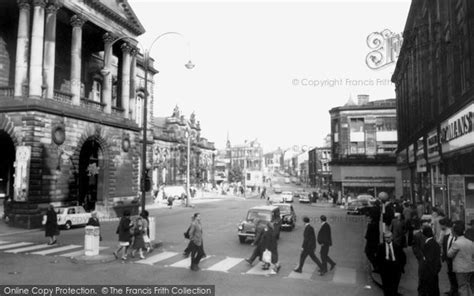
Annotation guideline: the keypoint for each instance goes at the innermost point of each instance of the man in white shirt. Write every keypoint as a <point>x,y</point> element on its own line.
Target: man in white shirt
<point>391,261</point>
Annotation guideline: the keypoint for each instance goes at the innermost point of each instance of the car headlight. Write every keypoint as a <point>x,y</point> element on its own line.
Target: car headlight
<point>241,227</point>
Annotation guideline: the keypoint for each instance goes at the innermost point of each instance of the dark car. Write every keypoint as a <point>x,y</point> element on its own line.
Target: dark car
<point>359,207</point>
<point>246,228</point>
<point>288,216</point>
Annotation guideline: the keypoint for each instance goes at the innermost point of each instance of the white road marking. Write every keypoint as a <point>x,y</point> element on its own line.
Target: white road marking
<point>30,248</point>
<point>225,264</point>
<point>56,250</point>
<point>157,258</point>
<point>186,263</point>
<point>9,246</point>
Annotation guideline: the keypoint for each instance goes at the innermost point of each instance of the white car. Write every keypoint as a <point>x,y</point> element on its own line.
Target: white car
<point>72,216</point>
<point>287,196</point>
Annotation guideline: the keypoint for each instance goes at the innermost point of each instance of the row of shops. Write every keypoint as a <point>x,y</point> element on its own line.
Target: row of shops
<point>439,167</point>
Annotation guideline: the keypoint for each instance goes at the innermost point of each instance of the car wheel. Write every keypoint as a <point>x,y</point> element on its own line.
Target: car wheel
<point>68,225</point>
<point>242,239</point>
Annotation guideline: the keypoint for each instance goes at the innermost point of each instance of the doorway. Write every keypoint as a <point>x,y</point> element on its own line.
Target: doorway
<point>7,159</point>
<point>91,168</point>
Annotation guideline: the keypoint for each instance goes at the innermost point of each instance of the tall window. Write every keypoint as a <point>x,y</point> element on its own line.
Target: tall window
<point>96,91</point>
<point>357,125</point>
<point>386,124</point>
<point>139,110</point>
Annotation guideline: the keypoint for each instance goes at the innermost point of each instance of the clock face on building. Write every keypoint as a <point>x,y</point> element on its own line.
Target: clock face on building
<point>126,144</point>
<point>59,135</point>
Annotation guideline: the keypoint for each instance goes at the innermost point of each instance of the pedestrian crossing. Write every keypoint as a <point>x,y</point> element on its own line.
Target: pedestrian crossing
<point>42,249</point>
<point>225,264</point>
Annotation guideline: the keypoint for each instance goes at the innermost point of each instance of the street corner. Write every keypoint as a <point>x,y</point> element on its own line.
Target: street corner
<point>96,259</point>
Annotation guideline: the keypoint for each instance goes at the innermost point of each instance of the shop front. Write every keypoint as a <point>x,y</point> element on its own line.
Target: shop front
<point>457,146</point>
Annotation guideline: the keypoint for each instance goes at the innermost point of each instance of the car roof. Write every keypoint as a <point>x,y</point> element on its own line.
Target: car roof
<point>265,208</point>
<point>286,192</point>
<point>364,196</point>
<point>282,204</point>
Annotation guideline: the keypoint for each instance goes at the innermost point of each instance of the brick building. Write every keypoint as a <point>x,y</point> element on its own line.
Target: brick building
<point>364,140</point>
<point>435,104</point>
<point>69,109</point>
<point>319,168</point>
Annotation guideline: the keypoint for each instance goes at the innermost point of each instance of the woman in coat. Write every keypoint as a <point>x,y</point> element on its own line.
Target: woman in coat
<point>123,231</point>
<point>270,243</point>
<point>50,222</point>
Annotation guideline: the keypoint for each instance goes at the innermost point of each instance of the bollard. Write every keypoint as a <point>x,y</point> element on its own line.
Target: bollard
<point>152,228</point>
<point>91,241</point>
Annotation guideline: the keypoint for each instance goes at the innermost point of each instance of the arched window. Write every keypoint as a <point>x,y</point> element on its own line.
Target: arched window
<point>139,109</point>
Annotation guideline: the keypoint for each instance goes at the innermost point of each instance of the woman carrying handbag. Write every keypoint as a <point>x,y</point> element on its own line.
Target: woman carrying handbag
<point>50,222</point>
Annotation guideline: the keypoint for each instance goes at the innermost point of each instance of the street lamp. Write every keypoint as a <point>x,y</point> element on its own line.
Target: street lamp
<point>146,57</point>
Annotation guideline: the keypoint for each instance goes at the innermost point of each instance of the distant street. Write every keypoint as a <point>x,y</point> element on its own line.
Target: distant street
<point>228,270</point>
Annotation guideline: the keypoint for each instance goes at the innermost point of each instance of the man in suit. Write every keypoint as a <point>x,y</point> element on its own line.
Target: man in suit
<point>258,242</point>
<point>446,243</point>
<point>391,261</point>
<point>430,265</point>
<point>308,247</point>
<point>462,252</point>
<point>195,236</point>
<point>325,240</point>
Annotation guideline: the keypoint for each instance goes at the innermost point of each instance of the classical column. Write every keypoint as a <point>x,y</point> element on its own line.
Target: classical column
<point>125,79</point>
<point>76,55</point>
<point>36,52</point>
<point>22,44</point>
<point>133,77</point>
<point>107,72</point>
<point>50,49</point>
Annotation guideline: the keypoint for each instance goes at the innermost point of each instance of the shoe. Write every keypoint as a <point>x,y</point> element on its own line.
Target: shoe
<point>297,270</point>
<point>273,272</point>
<point>278,268</point>
<point>116,256</point>
<point>142,257</point>
<point>124,258</point>
<point>332,266</point>
<point>248,261</point>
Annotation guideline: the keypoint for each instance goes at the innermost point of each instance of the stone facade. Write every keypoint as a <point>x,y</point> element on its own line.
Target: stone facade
<point>69,129</point>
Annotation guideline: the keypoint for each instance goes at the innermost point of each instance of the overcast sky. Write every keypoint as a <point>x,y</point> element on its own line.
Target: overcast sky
<point>255,61</point>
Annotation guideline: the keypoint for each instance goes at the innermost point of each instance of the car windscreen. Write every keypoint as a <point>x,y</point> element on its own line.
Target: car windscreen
<point>252,215</point>
<point>284,210</point>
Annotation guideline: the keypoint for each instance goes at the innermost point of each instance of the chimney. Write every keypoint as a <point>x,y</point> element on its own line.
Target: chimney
<point>362,99</point>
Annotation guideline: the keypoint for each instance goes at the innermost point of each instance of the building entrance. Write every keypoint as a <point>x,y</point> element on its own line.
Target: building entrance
<point>7,152</point>
<point>90,171</point>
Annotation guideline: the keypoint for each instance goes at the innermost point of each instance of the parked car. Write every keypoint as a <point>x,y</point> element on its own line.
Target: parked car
<point>288,216</point>
<point>246,228</point>
<point>305,198</point>
<point>368,197</point>
<point>72,216</point>
<point>276,198</point>
<point>358,207</point>
<point>287,196</point>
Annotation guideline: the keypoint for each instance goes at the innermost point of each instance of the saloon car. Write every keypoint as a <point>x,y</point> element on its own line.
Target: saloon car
<point>288,216</point>
<point>247,228</point>
<point>305,198</point>
<point>287,196</point>
<point>72,216</point>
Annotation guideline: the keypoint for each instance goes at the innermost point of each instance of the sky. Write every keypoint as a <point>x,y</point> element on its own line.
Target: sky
<point>266,70</point>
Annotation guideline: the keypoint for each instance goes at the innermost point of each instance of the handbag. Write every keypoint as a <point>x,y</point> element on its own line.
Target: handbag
<point>267,256</point>
<point>186,234</point>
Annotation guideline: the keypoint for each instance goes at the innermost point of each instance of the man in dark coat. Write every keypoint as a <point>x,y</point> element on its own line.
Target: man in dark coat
<point>391,262</point>
<point>372,237</point>
<point>446,243</point>
<point>257,242</point>
<point>431,265</point>
<point>270,243</point>
<point>308,247</point>
<point>325,240</point>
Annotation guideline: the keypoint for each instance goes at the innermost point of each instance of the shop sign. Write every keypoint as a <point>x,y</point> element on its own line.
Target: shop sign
<point>22,173</point>
<point>457,131</point>
<point>402,157</point>
<point>432,144</point>
<point>420,156</point>
<point>411,153</point>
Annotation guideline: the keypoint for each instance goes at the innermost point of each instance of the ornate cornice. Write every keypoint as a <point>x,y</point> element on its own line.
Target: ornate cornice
<point>77,21</point>
<point>134,27</point>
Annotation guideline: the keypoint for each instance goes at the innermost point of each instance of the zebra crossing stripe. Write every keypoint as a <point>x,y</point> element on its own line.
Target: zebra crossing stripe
<point>10,246</point>
<point>30,248</point>
<point>186,263</point>
<point>56,250</point>
<point>225,264</point>
<point>157,258</point>
<point>79,253</point>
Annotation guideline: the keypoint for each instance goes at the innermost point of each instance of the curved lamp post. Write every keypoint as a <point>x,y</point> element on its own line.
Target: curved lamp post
<point>146,56</point>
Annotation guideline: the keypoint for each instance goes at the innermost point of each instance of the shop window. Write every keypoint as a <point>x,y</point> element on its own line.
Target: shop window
<point>357,148</point>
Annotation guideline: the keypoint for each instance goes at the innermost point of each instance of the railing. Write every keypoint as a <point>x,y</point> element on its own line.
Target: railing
<point>92,104</point>
<point>62,97</point>
<point>6,91</point>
